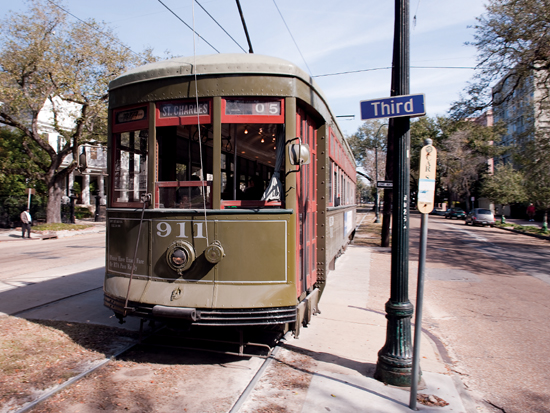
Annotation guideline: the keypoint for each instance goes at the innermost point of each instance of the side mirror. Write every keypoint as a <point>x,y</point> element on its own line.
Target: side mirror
<point>299,154</point>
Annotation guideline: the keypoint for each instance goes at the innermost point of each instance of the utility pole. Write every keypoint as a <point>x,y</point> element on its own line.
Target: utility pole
<point>394,364</point>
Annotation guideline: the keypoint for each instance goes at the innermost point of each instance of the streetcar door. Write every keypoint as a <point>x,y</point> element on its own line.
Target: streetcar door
<point>306,271</point>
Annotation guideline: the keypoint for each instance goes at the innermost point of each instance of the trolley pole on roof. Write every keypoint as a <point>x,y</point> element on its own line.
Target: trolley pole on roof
<point>244,26</point>
<point>394,364</point>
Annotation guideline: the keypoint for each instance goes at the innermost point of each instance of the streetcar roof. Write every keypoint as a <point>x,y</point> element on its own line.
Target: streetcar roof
<point>223,63</point>
<point>219,64</point>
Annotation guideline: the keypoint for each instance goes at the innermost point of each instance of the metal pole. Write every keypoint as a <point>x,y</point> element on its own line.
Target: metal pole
<point>395,358</point>
<point>376,211</point>
<point>418,315</point>
<point>245,29</point>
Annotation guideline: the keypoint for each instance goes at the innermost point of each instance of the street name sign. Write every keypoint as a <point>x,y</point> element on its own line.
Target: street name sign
<point>393,107</point>
<point>384,184</point>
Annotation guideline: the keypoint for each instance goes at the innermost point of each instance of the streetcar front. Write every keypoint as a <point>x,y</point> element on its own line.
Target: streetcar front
<point>213,214</point>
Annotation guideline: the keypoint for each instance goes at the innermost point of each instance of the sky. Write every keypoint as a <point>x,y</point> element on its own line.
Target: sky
<point>332,37</point>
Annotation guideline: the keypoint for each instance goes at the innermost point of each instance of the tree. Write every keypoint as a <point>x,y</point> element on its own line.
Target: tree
<point>45,60</point>
<point>533,156</point>
<point>505,186</point>
<point>17,170</point>
<point>369,146</point>
<point>513,43</point>
<point>464,157</point>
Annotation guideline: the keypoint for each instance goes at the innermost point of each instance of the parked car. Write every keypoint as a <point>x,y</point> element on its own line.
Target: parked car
<point>457,213</point>
<point>480,216</point>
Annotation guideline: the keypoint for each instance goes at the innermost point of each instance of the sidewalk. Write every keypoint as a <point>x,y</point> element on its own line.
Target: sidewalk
<point>344,341</point>
<point>14,234</point>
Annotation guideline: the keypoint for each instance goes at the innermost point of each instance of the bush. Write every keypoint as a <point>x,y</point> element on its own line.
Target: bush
<point>82,212</point>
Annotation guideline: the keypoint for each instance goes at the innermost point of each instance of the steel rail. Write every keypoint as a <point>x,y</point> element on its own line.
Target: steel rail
<point>53,301</point>
<point>74,379</point>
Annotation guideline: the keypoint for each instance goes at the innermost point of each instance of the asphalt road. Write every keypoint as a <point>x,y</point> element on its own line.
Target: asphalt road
<point>487,296</point>
<point>34,273</point>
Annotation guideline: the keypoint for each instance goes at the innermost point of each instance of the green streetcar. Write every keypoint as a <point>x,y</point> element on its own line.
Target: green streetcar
<point>231,192</point>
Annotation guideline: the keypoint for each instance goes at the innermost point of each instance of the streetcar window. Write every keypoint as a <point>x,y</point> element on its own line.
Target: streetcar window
<point>184,166</point>
<point>249,159</point>
<point>130,166</point>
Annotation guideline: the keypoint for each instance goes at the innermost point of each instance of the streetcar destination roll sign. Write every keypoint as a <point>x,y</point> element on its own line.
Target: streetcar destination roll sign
<point>393,107</point>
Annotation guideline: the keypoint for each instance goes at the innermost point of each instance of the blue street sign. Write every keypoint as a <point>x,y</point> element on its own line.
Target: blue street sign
<point>393,107</point>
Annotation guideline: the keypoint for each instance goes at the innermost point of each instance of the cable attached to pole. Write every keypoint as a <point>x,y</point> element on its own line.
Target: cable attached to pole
<point>146,199</point>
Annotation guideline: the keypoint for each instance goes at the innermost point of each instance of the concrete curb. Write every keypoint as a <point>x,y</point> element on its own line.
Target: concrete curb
<point>15,235</point>
<point>524,233</point>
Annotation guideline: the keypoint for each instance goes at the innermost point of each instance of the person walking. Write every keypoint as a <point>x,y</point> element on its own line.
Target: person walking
<point>26,221</point>
<point>531,212</point>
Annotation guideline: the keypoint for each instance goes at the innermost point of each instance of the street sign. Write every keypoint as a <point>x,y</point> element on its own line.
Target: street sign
<point>384,184</point>
<point>426,181</point>
<point>393,107</point>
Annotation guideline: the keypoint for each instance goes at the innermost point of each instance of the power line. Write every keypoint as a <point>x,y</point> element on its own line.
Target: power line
<point>389,67</point>
<point>97,30</point>
<point>190,28</point>
<point>296,44</point>
<point>200,5</point>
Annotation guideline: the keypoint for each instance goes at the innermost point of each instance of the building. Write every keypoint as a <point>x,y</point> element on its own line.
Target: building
<point>89,182</point>
<point>515,104</point>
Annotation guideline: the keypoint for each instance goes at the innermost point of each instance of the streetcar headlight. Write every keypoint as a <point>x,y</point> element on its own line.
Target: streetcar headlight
<point>180,256</point>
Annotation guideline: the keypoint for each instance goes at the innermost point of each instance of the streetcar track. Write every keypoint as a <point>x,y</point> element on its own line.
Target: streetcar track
<point>75,379</point>
<point>241,400</point>
<point>17,313</point>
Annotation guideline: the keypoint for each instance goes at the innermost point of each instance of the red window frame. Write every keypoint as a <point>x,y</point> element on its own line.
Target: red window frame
<point>113,203</point>
<point>180,184</point>
<point>253,118</point>
<point>183,120</point>
<point>132,125</point>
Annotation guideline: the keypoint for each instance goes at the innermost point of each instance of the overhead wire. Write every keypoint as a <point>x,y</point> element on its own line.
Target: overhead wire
<point>215,21</point>
<point>97,30</point>
<point>190,28</point>
<point>389,67</point>
<point>289,32</point>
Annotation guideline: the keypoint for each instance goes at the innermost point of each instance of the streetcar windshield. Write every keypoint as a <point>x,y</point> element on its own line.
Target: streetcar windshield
<point>249,153</point>
<point>184,172</point>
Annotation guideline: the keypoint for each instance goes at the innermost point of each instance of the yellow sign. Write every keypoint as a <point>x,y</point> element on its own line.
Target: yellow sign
<point>426,179</point>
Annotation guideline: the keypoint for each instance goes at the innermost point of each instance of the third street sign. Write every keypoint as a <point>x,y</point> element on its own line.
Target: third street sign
<point>393,107</point>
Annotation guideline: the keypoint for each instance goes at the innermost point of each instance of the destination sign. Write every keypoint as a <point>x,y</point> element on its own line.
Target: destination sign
<point>132,115</point>
<point>393,107</point>
<point>252,107</point>
<point>171,110</point>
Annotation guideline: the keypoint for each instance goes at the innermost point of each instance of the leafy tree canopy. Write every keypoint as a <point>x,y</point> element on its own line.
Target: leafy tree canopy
<point>47,60</point>
<point>505,186</point>
<point>512,39</point>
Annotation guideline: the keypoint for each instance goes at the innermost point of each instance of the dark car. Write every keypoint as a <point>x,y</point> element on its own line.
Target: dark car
<point>480,216</point>
<point>457,213</point>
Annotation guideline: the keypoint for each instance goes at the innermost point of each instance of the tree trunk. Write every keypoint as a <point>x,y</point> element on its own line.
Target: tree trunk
<point>53,209</point>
